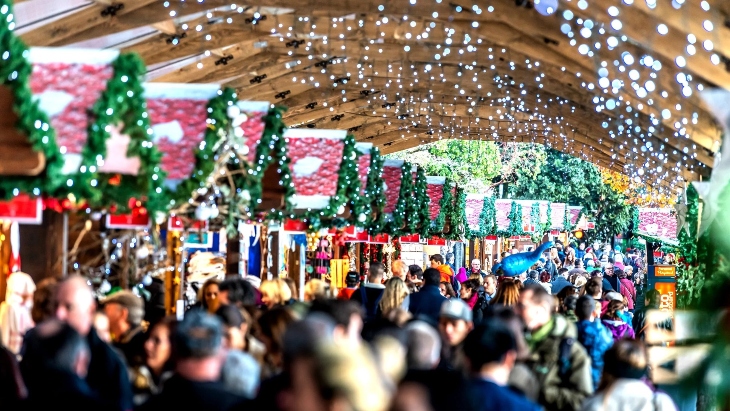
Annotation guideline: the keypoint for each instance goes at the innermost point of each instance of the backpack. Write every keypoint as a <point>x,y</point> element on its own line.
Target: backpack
<point>370,312</point>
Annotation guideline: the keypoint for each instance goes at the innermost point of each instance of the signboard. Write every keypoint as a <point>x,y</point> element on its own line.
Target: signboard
<point>354,234</point>
<point>663,279</point>
<point>591,225</point>
<point>132,221</point>
<point>296,226</point>
<point>379,239</point>
<point>437,241</point>
<point>175,223</point>
<point>411,239</point>
<point>22,210</point>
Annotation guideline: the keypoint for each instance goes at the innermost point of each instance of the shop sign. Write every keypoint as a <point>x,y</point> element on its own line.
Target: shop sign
<point>436,241</point>
<point>379,239</point>
<point>175,223</point>
<point>354,234</point>
<point>23,210</point>
<point>410,239</point>
<point>295,225</point>
<point>131,221</point>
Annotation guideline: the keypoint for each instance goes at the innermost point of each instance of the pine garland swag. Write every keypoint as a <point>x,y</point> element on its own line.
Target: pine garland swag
<point>373,201</point>
<point>437,226</point>
<point>397,224</point>
<point>515,222</point>
<point>486,220</point>
<point>422,200</point>
<point>457,216</point>
<point>15,71</point>
<point>549,222</point>
<point>122,102</point>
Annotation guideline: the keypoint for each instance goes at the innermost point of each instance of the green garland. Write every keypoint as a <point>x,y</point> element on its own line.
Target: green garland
<point>15,71</point>
<point>272,148</point>
<point>486,220</point>
<point>634,226</point>
<point>457,216</point>
<point>515,222</point>
<point>373,200</point>
<point>566,220</point>
<point>421,214</point>
<point>122,102</point>
<point>218,126</point>
<point>397,224</point>
<point>348,186</point>
<point>549,222</point>
<point>535,222</point>
<point>437,226</point>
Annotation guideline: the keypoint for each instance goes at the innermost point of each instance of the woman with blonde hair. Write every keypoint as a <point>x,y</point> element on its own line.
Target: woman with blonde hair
<point>478,277</point>
<point>395,296</point>
<point>275,293</point>
<point>508,293</point>
<point>314,289</point>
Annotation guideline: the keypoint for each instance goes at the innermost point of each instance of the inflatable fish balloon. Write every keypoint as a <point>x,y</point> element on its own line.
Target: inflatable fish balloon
<point>517,264</point>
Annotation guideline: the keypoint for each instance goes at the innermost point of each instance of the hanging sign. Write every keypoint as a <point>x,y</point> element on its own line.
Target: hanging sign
<point>379,239</point>
<point>410,239</point>
<point>437,241</point>
<point>354,234</point>
<point>131,221</point>
<point>22,209</point>
<point>175,223</point>
<point>295,225</point>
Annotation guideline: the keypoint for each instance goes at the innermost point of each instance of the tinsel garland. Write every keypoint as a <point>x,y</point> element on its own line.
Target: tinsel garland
<point>457,216</point>
<point>422,201</point>
<point>272,148</point>
<point>15,71</point>
<point>348,188</point>
<point>437,226</point>
<point>218,126</point>
<point>373,201</point>
<point>122,102</point>
<point>397,224</point>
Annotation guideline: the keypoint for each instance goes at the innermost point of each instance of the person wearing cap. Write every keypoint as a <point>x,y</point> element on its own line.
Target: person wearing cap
<point>125,312</point>
<point>198,346</point>
<point>492,352</point>
<point>351,281</point>
<point>455,322</point>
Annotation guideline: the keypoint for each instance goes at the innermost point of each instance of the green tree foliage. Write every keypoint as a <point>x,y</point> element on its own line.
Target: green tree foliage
<point>567,179</point>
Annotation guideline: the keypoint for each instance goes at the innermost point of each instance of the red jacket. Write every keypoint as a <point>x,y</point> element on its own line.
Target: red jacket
<point>628,291</point>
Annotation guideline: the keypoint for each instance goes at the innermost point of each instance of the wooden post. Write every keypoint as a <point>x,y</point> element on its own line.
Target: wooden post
<point>4,257</point>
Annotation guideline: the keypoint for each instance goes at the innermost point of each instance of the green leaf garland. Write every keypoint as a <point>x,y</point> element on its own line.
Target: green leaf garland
<point>515,222</point>
<point>423,202</point>
<point>445,205</point>
<point>15,71</point>
<point>457,216</point>
<point>374,199</point>
<point>397,225</point>
<point>549,222</point>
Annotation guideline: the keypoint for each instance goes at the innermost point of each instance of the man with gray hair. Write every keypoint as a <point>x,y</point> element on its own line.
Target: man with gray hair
<point>64,357</point>
<point>197,344</point>
<point>424,346</point>
<point>476,268</point>
<point>125,312</point>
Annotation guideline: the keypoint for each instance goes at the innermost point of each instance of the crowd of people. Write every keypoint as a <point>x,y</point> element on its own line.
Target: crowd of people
<point>562,336</point>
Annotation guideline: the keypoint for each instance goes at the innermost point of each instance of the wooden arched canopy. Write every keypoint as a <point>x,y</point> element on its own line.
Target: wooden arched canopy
<point>400,73</point>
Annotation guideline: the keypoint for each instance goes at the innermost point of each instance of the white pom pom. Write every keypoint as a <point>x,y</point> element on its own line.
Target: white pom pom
<point>362,217</point>
<point>341,209</point>
<point>203,212</point>
<point>233,111</point>
<point>142,253</point>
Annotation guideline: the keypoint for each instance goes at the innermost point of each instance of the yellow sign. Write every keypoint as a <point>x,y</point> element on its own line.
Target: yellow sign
<point>665,271</point>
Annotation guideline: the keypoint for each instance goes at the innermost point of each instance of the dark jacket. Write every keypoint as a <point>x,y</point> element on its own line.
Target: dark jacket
<point>448,390</point>
<point>12,387</point>
<point>181,394</point>
<point>107,375</point>
<point>562,386</point>
<point>596,339</point>
<point>131,344</point>
<point>427,303</point>
<point>558,285</point>
<point>368,296</point>
<point>614,281</point>
<point>65,390</point>
<point>489,396</point>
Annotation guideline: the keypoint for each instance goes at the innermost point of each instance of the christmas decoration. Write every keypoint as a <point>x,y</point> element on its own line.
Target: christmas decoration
<point>515,222</point>
<point>445,205</point>
<point>373,200</point>
<point>397,224</point>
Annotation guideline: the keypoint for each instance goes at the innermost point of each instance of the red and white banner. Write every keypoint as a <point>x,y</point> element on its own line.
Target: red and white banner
<point>132,221</point>
<point>23,210</point>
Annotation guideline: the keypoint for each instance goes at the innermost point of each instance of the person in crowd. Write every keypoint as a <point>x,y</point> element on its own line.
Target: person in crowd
<point>492,352</point>
<point>15,311</point>
<point>623,386</point>
<point>198,347</point>
<point>395,296</point>
<point>580,252</point>
<point>545,281</point>
<point>562,367</point>
<point>592,334</point>
<point>330,377</point>
<point>478,278</point>
<point>624,313</point>
<point>490,287</point>
<point>618,257</point>
<point>271,328</point>
<point>451,261</point>
<point>455,322</point>
<point>101,325</point>
<point>640,291</point>
<point>437,262</point>
<point>614,323</point>
<point>533,277</point>
<point>44,300</point>
<point>610,276</point>
<point>561,281</point>
<point>208,295</point>
<point>370,293</point>
<point>476,268</point>
<point>475,297</point>
<point>125,312</point>
<point>651,302</point>
<point>352,280</point>
<point>107,374</point>
<point>423,345</point>
<point>63,357</point>
<point>461,276</point>
<point>521,379</point>
<point>627,289</point>
<point>447,290</point>
<point>147,380</point>
<point>399,269</point>
<point>292,289</point>
<point>315,288</point>
<point>154,301</point>
<point>233,327</point>
<point>549,264</point>
<point>347,317</point>
<point>570,258</point>
<point>568,306</point>
<point>275,293</point>
<point>12,388</point>
<point>415,277</point>
<point>426,304</point>
<point>240,374</point>
<point>237,291</point>
<point>508,294</point>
